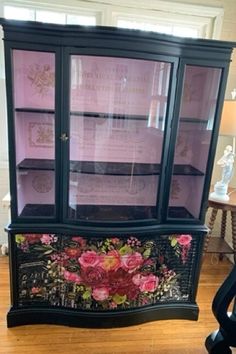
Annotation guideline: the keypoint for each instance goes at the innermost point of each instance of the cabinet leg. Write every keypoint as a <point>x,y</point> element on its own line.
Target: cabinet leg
<point>233,217</point>
<point>211,225</point>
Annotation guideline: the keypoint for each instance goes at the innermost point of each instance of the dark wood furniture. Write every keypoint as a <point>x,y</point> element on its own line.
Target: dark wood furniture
<point>221,340</point>
<point>218,244</point>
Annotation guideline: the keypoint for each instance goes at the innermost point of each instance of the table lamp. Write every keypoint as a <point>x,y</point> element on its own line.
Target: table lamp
<point>227,128</point>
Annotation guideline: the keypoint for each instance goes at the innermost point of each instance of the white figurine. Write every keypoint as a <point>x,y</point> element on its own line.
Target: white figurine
<point>221,187</point>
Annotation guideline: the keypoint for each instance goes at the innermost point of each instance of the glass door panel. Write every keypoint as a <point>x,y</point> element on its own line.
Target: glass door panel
<point>196,121</point>
<point>34,103</point>
<point>117,120</point>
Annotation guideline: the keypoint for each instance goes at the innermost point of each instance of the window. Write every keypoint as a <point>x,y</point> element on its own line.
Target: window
<point>179,19</point>
<point>18,13</point>
<point>49,16</point>
<point>182,31</point>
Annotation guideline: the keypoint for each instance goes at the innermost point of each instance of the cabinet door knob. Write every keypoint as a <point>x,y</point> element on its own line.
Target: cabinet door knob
<point>64,137</point>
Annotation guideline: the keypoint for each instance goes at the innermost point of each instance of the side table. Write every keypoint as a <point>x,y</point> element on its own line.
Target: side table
<point>221,340</point>
<point>218,244</point>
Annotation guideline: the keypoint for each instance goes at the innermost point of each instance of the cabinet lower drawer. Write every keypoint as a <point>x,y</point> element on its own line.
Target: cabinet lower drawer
<point>105,273</point>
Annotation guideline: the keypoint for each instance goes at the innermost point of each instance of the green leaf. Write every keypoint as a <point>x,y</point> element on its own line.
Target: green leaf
<point>43,248</point>
<point>86,295</point>
<point>19,238</point>
<point>125,250</point>
<point>93,248</point>
<point>48,252</point>
<point>118,299</point>
<point>147,253</point>
<point>173,242</point>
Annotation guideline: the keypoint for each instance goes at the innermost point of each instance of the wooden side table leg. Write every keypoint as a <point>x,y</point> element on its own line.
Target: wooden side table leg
<point>233,217</point>
<point>223,229</point>
<point>211,225</point>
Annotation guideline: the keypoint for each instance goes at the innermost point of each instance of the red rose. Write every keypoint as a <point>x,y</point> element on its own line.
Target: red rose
<point>94,276</point>
<point>119,282</point>
<point>132,292</point>
<point>33,238</point>
<point>72,252</point>
<point>80,240</point>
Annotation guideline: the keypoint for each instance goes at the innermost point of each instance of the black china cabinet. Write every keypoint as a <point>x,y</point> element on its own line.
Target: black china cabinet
<point>112,136</point>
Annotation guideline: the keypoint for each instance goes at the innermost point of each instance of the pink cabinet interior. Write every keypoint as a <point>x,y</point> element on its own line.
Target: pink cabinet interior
<point>117,119</point>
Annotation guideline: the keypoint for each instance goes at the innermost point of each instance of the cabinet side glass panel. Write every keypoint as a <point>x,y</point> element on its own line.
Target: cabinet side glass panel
<point>117,118</point>
<point>196,121</point>
<point>34,103</point>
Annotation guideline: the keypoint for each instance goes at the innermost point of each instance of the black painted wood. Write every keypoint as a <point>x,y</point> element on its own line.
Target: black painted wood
<point>17,317</point>
<point>108,168</point>
<point>121,221</point>
<point>220,341</point>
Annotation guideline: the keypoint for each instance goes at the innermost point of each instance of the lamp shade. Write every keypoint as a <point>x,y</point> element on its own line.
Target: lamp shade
<point>228,119</point>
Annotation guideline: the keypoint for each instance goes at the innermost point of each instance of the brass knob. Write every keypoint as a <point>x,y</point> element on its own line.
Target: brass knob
<point>64,137</point>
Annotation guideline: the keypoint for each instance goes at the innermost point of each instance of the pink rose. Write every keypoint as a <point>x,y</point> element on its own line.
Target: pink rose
<point>110,261</point>
<point>89,259</point>
<point>73,277</point>
<point>100,294</point>
<point>184,240</point>
<point>148,283</point>
<point>35,290</point>
<point>131,262</point>
<point>137,279</point>
<point>48,239</point>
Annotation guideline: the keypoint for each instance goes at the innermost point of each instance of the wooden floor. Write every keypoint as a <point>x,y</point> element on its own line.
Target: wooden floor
<point>162,337</point>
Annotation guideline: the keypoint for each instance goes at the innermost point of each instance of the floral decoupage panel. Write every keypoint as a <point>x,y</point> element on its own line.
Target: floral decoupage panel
<point>116,273</point>
<point>39,272</point>
<point>110,273</point>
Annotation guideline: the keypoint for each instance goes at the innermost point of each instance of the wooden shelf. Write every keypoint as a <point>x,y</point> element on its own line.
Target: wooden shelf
<point>105,212</point>
<point>219,245</point>
<point>35,110</point>
<point>108,168</point>
<point>107,115</point>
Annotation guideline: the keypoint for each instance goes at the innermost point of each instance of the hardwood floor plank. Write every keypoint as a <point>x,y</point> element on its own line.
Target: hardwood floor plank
<point>159,337</point>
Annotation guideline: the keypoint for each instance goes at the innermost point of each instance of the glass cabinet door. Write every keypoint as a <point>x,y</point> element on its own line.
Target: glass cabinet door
<point>117,116</point>
<point>196,121</point>
<point>34,104</point>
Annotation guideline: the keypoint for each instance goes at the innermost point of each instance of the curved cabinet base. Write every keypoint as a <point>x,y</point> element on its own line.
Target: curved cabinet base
<point>17,317</point>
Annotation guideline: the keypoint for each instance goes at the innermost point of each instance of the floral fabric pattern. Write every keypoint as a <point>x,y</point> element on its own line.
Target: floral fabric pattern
<point>100,273</point>
<point>181,245</point>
